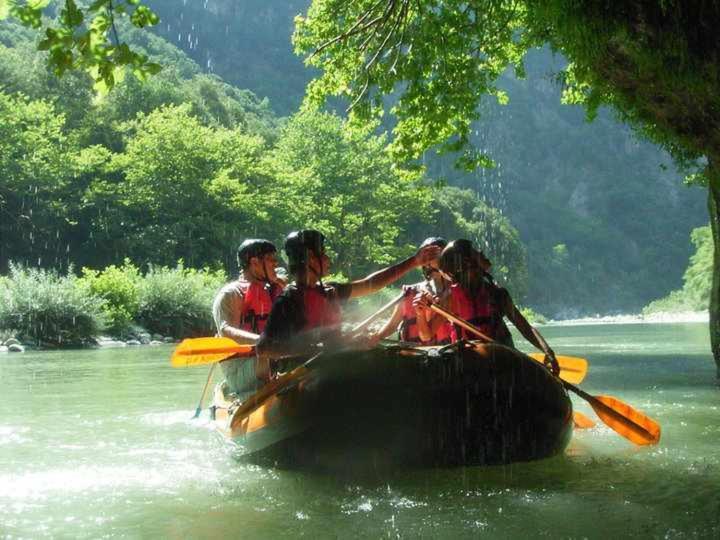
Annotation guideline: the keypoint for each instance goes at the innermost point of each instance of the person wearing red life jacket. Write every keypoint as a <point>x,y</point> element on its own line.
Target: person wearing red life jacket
<point>476,298</point>
<point>413,323</point>
<point>308,312</point>
<point>241,307</point>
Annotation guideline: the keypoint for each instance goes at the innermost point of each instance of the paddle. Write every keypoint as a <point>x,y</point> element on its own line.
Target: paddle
<point>616,414</point>
<point>209,350</point>
<point>581,421</point>
<point>572,368</point>
<point>621,417</point>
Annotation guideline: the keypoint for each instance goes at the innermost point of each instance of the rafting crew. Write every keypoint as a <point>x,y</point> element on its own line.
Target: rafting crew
<point>307,315</point>
<point>241,307</point>
<point>411,318</point>
<point>476,298</point>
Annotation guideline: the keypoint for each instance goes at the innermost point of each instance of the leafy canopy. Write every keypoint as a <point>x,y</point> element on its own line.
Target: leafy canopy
<point>86,37</point>
<point>655,62</point>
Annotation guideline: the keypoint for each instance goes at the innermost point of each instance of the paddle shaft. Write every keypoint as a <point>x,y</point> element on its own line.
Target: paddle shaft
<point>202,396</point>
<point>577,368</point>
<point>461,322</point>
<point>371,318</point>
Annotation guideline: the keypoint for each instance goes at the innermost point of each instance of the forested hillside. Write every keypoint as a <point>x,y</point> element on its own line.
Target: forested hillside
<point>604,217</point>
<point>185,166</point>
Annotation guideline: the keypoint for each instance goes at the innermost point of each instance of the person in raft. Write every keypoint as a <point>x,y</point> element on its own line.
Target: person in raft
<point>307,313</point>
<point>475,297</point>
<point>415,323</point>
<point>241,307</point>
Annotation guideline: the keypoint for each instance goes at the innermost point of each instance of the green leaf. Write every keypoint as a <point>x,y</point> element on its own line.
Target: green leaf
<point>5,6</point>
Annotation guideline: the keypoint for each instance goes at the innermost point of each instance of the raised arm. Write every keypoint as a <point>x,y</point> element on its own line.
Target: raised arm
<point>382,278</point>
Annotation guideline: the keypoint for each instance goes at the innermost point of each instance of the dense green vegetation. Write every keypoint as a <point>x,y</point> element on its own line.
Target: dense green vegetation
<point>695,293</point>
<point>44,308</point>
<point>614,202</point>
<point>655,63</point>
<point>185,166</point>
<point>585,231</point>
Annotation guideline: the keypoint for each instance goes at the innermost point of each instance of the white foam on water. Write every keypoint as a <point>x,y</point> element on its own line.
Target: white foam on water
<point>34,485</point>
<point>13,435</point>
<point>172,418</point>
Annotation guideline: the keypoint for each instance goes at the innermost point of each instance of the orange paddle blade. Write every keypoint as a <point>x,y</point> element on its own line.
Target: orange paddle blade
<point>199,351</point>
<point>572,368</point>
<point>628,422</point>
<point>581,421</point>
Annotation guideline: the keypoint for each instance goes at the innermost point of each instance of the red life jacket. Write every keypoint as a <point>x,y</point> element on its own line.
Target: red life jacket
<point>481,311</point>
<point>258,299</point>
<point>408,326</point>
<point>443,334</point>
<point>321,307</point>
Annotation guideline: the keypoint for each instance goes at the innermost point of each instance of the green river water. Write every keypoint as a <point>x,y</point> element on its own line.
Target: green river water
<point>100,443</point>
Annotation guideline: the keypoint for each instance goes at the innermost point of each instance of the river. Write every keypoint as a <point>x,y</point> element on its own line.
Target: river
<point>100,443</point>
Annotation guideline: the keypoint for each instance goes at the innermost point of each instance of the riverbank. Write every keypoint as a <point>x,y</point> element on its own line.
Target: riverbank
<point>639,318</point>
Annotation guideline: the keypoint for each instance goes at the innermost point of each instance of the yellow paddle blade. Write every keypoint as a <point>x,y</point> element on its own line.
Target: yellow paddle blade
<point>200,351</point>
<point>572,368</point>
<point>626,421</point>
<point>581,421</point>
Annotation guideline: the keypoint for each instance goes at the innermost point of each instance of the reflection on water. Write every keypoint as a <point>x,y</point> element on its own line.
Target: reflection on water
<point>101,443</point>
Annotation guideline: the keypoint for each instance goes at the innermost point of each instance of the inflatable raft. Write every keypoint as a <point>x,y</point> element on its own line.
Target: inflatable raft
<point>457,405</point>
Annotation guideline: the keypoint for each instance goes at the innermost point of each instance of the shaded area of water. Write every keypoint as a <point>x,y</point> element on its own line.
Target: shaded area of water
<point>100,443</point>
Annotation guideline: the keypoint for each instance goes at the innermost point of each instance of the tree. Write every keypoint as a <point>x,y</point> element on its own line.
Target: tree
<point>655,62</point>
<point>698,278</point>
<point>179,190</point>
<point>86,37</point>
<point>459,213</point>
<point>344,183</point>
<point>35,170</point>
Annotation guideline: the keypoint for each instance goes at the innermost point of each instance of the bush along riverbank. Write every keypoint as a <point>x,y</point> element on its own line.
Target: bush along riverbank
<point>117,306</point>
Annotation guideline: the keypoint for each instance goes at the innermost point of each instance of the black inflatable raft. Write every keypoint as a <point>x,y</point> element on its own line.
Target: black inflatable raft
<point>412,407</point>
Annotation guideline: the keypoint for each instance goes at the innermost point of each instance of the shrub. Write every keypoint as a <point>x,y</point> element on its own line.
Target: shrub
<point>532,316</point>
<point>119,288</point>
<point>47,308</point>
<point>177,301</point>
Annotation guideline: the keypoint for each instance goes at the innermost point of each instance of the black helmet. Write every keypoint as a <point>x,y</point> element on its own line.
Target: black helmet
<point>438,241</point>
<point>298,243</point>
<point>253,247</point>
<point>458,257</point>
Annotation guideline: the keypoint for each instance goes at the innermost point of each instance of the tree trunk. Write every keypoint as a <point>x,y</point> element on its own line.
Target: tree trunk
<point>713,171</point>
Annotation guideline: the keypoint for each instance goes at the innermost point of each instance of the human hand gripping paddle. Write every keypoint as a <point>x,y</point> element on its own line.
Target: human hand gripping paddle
<point>211,350</point>
<point>616,414</point>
